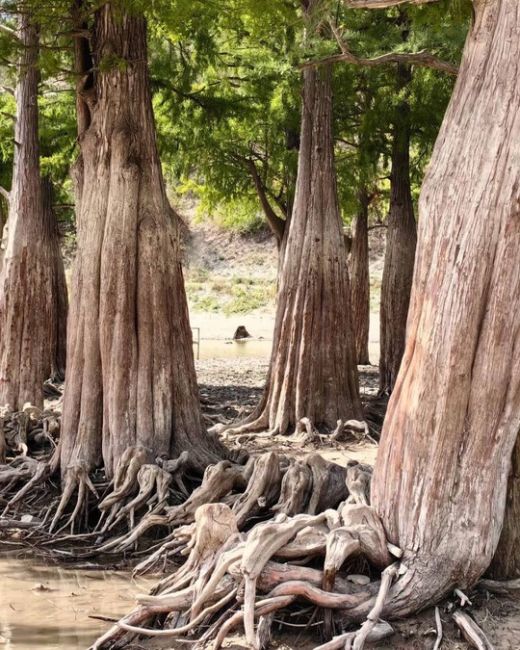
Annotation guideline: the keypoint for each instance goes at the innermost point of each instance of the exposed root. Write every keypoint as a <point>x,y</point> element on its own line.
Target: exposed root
<point>76,477</point>
<point>41,473</point>
<point>249,428</point>
<point>295,489</point>
<point>379,632</point>
<point>262,491</point>
<point>358,482</point>
<point>310,434</point>
<point>262,608</point>
<point>471,631</point>
<point>387,577</point>
<point>357,429</point>
<point>328,484</point>
<point>438,625</point>
<point>125,481</point>
<point>500,586</point>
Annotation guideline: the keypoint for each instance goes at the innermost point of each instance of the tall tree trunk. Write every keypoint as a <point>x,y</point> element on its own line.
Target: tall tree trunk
<point>360,279</point>
<point>401,241</point>
<point>131,374</point>
<point>27,311</point>
<point>313,369</point>
<point>58,299</point>
<point>440,481</point>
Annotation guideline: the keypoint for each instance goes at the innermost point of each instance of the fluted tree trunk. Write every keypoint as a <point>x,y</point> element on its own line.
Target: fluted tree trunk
<point>313,369</point>
<point>32,260</point>
<point>401,241</point>
<point>58,298</point>
<point>440,481</point>
<point>360,279</point>
<point>131,375</point>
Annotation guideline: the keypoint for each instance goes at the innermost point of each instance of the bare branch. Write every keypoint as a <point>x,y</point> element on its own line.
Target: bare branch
<point>5,194</point>
<point>422,58</point>
<point>276,224</point>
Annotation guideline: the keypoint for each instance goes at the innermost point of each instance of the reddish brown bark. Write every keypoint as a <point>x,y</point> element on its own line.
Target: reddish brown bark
<point>401,240</point>
<point>440,481</point>
<point>32,261</point>
<point>131,377</point>
<point>58,298</point>
<point>313,369</point>
<point>360,280</point>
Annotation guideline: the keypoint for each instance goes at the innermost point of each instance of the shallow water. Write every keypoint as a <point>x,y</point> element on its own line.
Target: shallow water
<point>215,332</point>
<point>48,607</point>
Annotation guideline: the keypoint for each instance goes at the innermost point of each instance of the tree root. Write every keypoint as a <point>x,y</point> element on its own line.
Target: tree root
<point>388,576</point>
<point>76,476</point>
<point>500,586</point>
<point>471,631</point>
<point>262,491</point>
<point>41,474</point>
<point>328,484</point>
<point>379,632</point>
<point>295,489</point>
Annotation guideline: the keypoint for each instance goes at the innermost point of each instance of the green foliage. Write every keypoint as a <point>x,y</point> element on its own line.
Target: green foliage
<point>226,79</point>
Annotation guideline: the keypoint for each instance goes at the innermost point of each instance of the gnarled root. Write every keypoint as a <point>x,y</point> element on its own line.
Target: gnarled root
<point>263,488</point>
<point>226,567</point>
<point>76,477</point>
<point>358,480</point>
<point>328,484</point>
<point>125,481</point>
<point>41,471</point>
<point>295,490</point>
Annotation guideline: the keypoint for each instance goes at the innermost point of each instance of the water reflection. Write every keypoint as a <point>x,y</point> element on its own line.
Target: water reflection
<point>48,607</point>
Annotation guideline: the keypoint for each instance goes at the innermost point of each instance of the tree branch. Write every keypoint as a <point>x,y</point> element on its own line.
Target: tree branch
<point>5,194</point>
<point>276,224</point>
<point>423,58</point>
<point>10,32</point>
<point>383,4</point>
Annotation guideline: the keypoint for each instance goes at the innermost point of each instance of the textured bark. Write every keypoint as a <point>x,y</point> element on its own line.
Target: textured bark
<point>506,563</point>
<point>131,370</point>
<point>313,369</point>
<point>401,240</point>
<point>440,481</point>
<point>4,211</point>
<point>32,258</point>
<point>360,280</point>
<point>276,224</point>
<point>58,298</point>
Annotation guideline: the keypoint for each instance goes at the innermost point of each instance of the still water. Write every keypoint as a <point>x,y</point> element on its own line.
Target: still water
<point>215,332</point>
<point>48,607</point>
